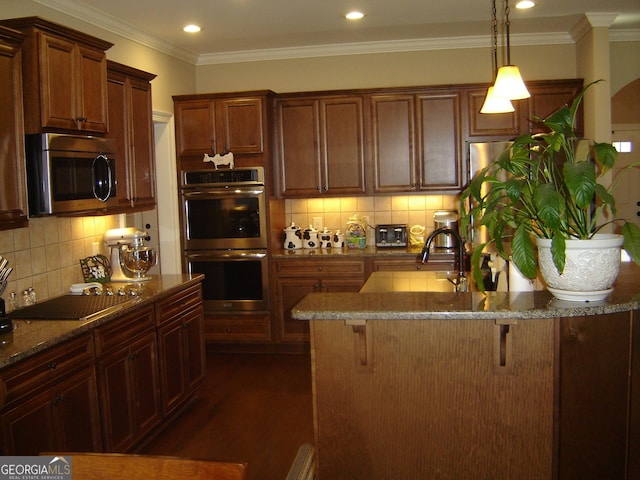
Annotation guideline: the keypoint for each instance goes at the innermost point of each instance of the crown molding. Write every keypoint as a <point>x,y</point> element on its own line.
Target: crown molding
<point>393,46</point>
<point>119,27</point>
<point>128,31</point>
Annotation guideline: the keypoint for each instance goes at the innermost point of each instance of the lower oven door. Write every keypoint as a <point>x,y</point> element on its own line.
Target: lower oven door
<point>234,280</point>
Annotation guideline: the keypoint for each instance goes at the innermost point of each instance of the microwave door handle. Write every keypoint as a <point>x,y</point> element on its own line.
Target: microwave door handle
<point>103,197</point>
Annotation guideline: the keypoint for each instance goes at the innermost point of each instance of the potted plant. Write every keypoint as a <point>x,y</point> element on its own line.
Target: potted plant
<point>546,187</point>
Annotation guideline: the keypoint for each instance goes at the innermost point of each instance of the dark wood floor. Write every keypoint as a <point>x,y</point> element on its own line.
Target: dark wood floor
<point>252,408</point>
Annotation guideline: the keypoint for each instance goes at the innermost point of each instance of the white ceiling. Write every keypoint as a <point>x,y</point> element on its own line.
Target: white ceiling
<point>236,27</point>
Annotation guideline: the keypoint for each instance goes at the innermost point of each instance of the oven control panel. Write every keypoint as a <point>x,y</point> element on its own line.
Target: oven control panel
<point>227,176</point>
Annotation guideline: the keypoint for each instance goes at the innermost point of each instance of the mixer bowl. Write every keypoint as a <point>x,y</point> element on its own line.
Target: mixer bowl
<point>139,260</point>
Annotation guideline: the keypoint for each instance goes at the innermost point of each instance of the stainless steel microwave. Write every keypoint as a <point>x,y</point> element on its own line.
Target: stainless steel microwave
<point>70,173</point>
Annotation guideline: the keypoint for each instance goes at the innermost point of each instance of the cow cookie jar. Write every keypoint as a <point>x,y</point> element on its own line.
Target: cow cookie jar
<point>292,237</point>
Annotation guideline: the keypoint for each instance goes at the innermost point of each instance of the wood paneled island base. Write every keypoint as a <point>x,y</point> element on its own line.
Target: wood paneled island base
<point>466,386</point>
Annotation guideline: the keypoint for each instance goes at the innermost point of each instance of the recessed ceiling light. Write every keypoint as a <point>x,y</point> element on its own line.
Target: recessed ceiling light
<point>524,4</point>
<point>354,15</point>
<point>191,29</point>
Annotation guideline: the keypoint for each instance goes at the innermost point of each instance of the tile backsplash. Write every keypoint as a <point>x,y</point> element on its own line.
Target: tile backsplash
<point>335,212</point>
<point>46,255</point>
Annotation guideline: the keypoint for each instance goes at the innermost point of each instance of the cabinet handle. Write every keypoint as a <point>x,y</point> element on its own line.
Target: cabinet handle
<point>52,366</point>
<point>81,119</point>
<point>320,268</point>
<point>59,399</point>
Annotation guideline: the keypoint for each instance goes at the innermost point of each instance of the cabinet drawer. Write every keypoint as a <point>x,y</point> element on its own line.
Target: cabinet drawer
<point>121,331</point>
<point>303,268</point>
<point>177,304</point>
<point>230,328</point>
<point>47,367</point>
<point>410,265</point>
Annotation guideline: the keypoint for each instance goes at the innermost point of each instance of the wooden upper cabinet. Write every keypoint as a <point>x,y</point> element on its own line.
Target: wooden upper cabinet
<point>416,141</point>
<point>131,125</point>
<point>393,143</point>
<point>320,146</point>
<point>65,78</point>
<point>13,194</point>
<point>440,141</point>
<point>209,124</point>
<point>494,124</point>
<point>547,96</point>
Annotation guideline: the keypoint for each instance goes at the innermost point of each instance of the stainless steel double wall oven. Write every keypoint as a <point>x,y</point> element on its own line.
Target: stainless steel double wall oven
<point>224,230</point>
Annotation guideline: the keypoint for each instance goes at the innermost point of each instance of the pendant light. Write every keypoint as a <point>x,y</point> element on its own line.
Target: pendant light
<point>509,83</point>
<point>492,102</point>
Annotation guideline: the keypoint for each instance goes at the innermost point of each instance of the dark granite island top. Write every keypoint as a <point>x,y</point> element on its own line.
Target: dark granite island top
<point>32,336</point>
<point>429,296</point>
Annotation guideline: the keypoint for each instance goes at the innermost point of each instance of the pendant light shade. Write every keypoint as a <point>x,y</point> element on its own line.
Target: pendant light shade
<point>496,104</point>
<point>509,84</point>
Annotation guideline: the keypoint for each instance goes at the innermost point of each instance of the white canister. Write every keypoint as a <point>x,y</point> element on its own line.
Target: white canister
<point>325,237</point>
<point>310,237</point>
<point>338,240</point>
<point>292,237</point>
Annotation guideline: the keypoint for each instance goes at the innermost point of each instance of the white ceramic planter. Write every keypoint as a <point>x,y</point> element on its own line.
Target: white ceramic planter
<point>590,270</point>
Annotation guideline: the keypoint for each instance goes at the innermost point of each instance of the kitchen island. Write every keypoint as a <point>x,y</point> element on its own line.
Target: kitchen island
<point>410,382</point>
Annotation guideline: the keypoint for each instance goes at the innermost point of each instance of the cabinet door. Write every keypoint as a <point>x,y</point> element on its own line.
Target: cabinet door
<point>142,156</point>
<point>298,147</point>
<point>92,90</point>
<point>58,83</point>
<point>505,125</point>
<point>13,197</point>
<point>393,137</point>
<point>182,357</point>
<point>195,127</point>
<point>439,120</point>
<point>341,124</point>
<point>240,126</point>
<point>73,86</point>
<point>130,393</point>
<point>62,418</point>
<point>290,291</point>
<point>546,99</point>
<point>594,366</point>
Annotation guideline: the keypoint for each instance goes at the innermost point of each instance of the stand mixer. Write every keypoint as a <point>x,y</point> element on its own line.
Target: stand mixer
<point>130,259</point>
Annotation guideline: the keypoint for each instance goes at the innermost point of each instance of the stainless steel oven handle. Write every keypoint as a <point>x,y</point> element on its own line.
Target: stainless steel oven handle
<point>102,195</point>
<point>226,255</point>
<point>222,192</point>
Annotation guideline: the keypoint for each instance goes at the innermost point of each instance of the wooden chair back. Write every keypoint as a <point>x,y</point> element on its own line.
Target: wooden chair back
<point>116,466</point>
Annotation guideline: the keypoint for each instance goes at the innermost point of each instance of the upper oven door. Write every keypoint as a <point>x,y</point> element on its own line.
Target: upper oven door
<point>225,217</point>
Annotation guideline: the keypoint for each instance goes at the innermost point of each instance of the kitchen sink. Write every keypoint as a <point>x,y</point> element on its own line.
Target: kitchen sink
<point>71,307</point>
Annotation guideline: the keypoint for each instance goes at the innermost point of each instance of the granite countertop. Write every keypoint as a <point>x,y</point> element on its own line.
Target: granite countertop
<point>442,255</point>
<point>429,296</point>
<point>32,336</point>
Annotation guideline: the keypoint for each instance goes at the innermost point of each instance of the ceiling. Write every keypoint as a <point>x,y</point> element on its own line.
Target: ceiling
<point>233,28</point>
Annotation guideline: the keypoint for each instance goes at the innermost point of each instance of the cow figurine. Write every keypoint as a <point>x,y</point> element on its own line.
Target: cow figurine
<point>217,159</point>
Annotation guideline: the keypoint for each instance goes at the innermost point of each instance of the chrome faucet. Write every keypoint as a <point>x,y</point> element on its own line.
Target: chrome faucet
<point>460,282</point>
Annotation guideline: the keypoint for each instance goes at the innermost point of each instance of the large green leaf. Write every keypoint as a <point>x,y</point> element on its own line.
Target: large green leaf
<point>476,262</point>
<point>605,154</point>
<point>580,179</point>
<point>631,233</point>
<point>558,252</point>
<point>550,205</point>
<point>523,253</point>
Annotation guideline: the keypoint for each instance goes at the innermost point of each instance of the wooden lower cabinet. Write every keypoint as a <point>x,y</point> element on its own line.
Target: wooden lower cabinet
<point>51,402</point>
<point>237,327</point>
<point>181,350</point>
<point>294,279</point>
<point>551,398</point>
<point>107,389</point>
<point>128,381</point>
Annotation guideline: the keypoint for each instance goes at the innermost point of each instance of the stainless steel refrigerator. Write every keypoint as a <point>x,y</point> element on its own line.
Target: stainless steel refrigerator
<point>480,155</point>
